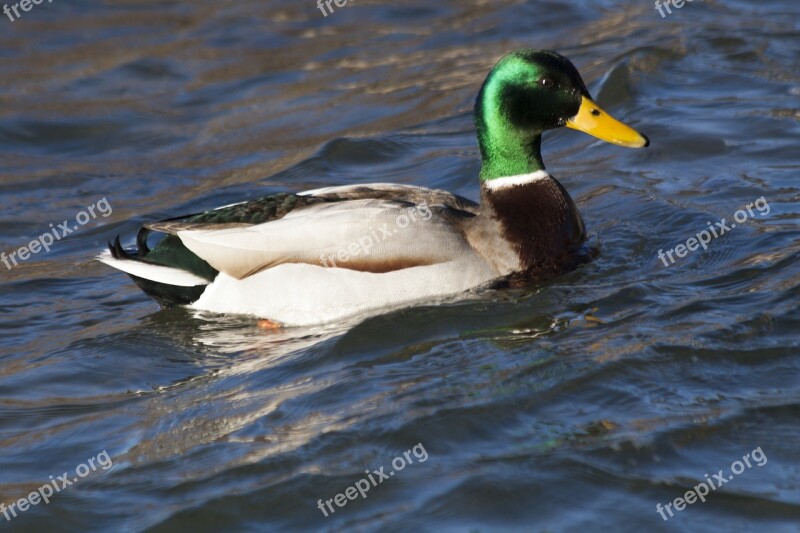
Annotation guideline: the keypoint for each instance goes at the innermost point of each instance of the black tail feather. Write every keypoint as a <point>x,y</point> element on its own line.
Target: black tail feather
<point>141,242</point>
<point>117,252</point>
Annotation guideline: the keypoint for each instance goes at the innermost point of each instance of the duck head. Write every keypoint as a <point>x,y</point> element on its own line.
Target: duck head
<point>527,93</point>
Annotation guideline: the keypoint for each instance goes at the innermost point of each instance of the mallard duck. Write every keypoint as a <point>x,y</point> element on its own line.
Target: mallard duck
<point>327,254</point>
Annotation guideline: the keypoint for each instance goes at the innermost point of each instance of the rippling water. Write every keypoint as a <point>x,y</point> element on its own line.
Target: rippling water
<point>576,405</point>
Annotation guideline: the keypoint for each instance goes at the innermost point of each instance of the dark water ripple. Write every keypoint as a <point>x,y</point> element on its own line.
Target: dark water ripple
<point>577,405</point>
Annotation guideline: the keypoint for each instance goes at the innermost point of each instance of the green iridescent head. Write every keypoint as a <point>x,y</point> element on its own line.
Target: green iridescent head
<point>527,93</point>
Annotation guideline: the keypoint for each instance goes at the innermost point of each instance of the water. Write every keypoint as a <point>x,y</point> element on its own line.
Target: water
<point>576,405</point>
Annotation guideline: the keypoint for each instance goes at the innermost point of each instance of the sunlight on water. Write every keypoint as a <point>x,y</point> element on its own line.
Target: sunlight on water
<point>578,404</point>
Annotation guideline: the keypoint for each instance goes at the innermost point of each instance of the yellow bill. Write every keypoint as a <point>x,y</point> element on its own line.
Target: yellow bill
<point>597,123</point>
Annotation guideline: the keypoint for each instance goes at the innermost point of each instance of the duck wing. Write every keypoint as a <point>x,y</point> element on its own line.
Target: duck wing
<point>366,234</point>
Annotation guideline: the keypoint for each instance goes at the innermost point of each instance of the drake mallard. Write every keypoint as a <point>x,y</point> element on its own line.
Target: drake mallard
<point>323,255</point>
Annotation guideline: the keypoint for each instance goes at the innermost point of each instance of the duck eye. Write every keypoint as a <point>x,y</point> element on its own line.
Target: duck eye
<point>547,83</point>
